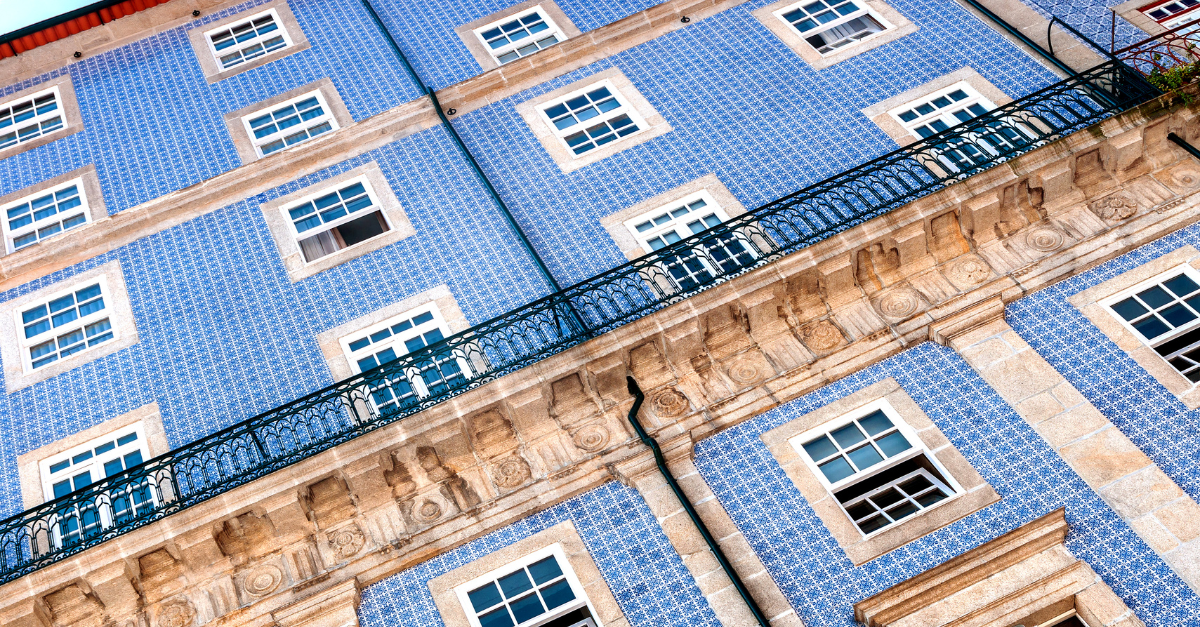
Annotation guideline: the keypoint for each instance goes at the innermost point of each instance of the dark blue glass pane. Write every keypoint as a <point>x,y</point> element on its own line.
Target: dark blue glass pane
<point>1181,285</point>
<point>836,469</point>
<point>485,597</point>
<point>558,594</point>
<point>848,435</point>
<point>1151,328</point>
<point>865,457</point>
<point>527,608</point>
<point>1177,315</point>
<point>498,618</point>
<point>820,448</point>
<point>1155,297</point>
<point>545,570</point>
<point>1129,309</point>
<point>876,423</point>
<point>515,584</point>
<point>893,444</point>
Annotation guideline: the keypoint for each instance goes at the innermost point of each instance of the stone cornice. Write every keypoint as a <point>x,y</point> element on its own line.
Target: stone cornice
<point>411,490</point>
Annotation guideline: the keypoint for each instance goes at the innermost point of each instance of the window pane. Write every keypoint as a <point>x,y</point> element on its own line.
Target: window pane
<point>893,444</point>
<point>1181,285</point>
<point>865,457</point>
<point>820,448</point>
<point>545,570</point>
<point>485,597</point>
<point>848,435</point>
<point>1177,315</point>
<point>515,584</point>
<point>837,469</point>
<point>527,607</point>
<point>498,618</point>
<point>558,594</point>
<point>876,423</point>
<point>1155,297</point>
<point>1151,328</point>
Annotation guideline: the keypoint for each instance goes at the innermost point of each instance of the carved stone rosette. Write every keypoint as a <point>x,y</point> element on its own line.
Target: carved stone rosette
<point>177,613</point>
<point>347,542</point>
<point>1114,207</point>
<point>511,472</point>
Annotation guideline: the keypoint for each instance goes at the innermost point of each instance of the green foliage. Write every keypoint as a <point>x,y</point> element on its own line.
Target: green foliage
<point>1174,79</point>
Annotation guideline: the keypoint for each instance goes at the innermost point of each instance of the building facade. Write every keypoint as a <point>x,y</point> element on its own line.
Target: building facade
<point>353,313</point>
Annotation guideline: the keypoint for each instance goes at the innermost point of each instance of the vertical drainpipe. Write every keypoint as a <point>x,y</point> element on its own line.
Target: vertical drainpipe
<point>512,223</point>
<point>661,463</point>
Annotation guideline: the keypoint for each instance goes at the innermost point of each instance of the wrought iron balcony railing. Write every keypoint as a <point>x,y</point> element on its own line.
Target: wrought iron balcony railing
<point>285,435</point>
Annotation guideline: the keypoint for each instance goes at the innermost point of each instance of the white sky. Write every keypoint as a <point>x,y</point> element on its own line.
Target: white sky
<point>15,14</point>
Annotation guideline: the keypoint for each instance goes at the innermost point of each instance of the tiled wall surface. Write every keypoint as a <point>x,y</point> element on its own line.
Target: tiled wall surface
<point>153,125</point>
<point>1137,404</point>
<point>743,106</point>
<point>1093,19</point>
<point>1032,480</point>
<point>225,335</point>
<point>643,571</point>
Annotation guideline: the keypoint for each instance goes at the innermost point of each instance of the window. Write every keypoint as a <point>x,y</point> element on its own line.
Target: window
<point>48,213</point>
<point>875,467</point>
<point>538,590</point>
<point>1164,312</point>
<point>1173,13</point>
<point>693,214</point>
<point>592,117</point>
<point>290,123</point>
<point>954,105</point>
<point>396,337</point>
<point>337,220</point>
<point>67,324</point>
<point>520,35</point>
<point>87,464</point>
<point>247,40</point>
<point>828,25</point>
<point>30,117</point>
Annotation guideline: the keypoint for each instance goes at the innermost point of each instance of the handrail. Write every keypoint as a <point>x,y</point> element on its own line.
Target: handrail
<point>1155,55</point>
<point>273,440</point>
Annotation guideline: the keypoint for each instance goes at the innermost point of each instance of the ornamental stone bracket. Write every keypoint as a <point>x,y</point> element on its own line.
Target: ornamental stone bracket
<point>404,493</point>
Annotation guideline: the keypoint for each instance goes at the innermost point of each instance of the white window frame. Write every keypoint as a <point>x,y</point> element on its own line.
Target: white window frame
<point>1172,334</point>
<point>1173,19</point>
<point>108,311</point>
<point>496,53</point>
<point>863,10</point>
<point>280,27</point>
<point>624,108</point>
<point>376,207</point>
<point>99,511</point>
<point>11,235</point>
<point>38,119</point>
<point>581,598</point>
<point>412,376</point>
<point>965,152</point>
<point>916,449</point>
<point>685,270</point>
<point>327,116</point>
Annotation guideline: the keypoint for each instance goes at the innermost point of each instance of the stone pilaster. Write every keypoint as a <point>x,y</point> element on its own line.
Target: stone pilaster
<point>1160,512</point>
<point>718,589</point>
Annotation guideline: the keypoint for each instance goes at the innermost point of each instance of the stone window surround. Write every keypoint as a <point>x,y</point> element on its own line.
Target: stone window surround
<point>1025,576</point>
<point>91,191</point>
<point>15,377</point>
<point>1088,303</point>
<point>148,416</point>
<point>330,341</point>
<point>898,26</point>
<point>879,113</point>
<point>614,223</point>
<point>68,104</point>
<point>287,241</point>
<point>975,493</point>
<point>531,112</point>
<point>601,600</point>
<point>198,37</point>
<point>241,137</point>
<point>466,32</point>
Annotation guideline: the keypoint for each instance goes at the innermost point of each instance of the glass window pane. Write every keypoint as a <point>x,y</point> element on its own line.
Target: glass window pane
<point>836,469</point>
<point>526,608</point>
<point>893,443</point>
<point>558,594</point>
<point>876,423</point>
<point>1181,285</point>
<point>820,448</point>
<point>1155,297</point>
<point>498,618</point>
<point>545,570</point>
<point>865,456</point>
<point>1151,328</point>
<point>848,435</point>
<point>1177,315</point>
<point>515,584</point>
<point>484,597</point>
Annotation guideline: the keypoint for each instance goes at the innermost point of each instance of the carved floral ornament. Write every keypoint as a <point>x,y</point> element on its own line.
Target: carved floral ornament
<point>745,371</point>
<point>591,438</point>
<point>1114,207</point>
<point>1044,239</point>
<point>510,472</point>
<point>176,613</point>
<point>900,302</point>
<point>669,402</point>
<point>426,511</point>
<point>969,270</point>
<point>346,542</point>
<point>262,580</point>
<point>821,336</point>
